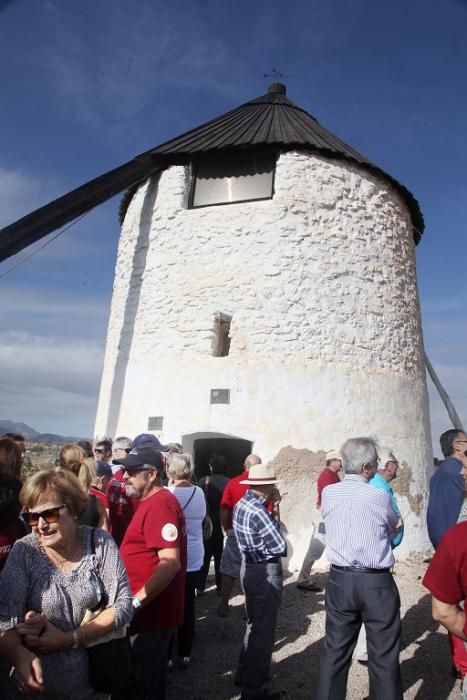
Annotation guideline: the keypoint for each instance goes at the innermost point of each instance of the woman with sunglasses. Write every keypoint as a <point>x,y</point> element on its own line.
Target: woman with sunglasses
<point>50,580</point>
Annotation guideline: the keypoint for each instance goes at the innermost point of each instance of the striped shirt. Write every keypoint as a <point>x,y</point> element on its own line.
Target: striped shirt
<point>258,533</point>
<point>360,523</point>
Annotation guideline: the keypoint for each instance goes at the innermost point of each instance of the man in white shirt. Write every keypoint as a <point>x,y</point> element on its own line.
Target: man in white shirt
<point>360,523</point>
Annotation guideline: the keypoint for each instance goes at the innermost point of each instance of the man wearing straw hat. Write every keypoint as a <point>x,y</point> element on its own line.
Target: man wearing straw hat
<point>262,546</point>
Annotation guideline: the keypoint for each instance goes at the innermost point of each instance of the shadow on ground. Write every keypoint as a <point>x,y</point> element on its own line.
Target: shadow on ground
<point>425,657</point>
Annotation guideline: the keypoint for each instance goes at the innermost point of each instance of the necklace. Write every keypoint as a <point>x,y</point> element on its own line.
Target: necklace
<point>63,564</point>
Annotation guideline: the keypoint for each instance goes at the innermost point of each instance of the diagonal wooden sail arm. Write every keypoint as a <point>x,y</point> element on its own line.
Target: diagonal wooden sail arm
<point>39,223</point>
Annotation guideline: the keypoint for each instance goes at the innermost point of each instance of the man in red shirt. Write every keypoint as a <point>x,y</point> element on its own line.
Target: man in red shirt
<point>154,553</point>
<point>446,579</point>
<point>231,557</point>
<point>121,506</point>
<point>328,476</point>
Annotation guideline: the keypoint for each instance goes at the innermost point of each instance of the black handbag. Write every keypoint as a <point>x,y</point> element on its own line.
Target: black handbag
<point>110,666</point>
<point>110,663</point>
<point>207,522</point>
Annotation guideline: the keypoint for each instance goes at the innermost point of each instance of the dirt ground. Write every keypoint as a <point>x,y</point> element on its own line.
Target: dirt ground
<point>425,658</point>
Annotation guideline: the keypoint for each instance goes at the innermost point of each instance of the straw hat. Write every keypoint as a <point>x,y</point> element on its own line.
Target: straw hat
<point>261,474</point>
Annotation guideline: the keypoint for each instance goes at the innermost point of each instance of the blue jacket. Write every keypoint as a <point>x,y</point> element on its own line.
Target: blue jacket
<point>379,482</point>
<point>447,487</point>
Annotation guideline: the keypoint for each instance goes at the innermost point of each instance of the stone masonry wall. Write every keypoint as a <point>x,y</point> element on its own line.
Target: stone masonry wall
<point>325,270</point>
<point>326,338</point>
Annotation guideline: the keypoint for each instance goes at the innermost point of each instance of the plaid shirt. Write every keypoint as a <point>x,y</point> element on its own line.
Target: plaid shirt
<point>258,534</point>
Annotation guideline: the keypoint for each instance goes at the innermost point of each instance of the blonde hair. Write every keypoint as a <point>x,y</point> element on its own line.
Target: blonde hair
<point>73,458</point>
<point>180,466</point>
<point>63,483</point>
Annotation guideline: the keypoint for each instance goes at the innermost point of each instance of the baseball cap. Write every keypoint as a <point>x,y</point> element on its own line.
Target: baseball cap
<point>333,454</point>
<point>103,469</point>
<point>146,457</point>
<point>148,440</point>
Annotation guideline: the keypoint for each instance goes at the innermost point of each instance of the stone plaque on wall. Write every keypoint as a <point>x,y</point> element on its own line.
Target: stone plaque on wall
<point>220,395</point>
<point>155,422</point>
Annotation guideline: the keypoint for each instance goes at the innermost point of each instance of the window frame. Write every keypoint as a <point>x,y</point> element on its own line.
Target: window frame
<point>226,155</point>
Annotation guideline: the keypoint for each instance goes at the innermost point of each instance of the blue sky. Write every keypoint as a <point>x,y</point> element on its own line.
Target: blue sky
<point>88,85</point>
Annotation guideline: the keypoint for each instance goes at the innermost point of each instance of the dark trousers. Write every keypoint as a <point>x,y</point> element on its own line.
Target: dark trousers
<point>262,585</point>
<point>149,651</point>
<point>186,632</point>
<point>212,548</point>
<point>353,598</point>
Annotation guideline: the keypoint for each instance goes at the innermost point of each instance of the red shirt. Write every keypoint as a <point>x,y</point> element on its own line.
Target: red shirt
<point>121,507</point>
<point>326,478</point>
<point>100,495</point>
<point>8,538</point>
<point>158,523</point>
<point>233,492</point>
<point>446,576</point>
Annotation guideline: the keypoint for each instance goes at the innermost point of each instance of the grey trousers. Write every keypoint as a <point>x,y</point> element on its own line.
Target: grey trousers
<point>352,599</point>
<point>262,585</point>
<point>315,550</point>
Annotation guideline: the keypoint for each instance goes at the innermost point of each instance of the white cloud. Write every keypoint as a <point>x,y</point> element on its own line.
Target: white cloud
<point>50,383</point>
<point>21,193</point>
<point>32,301</point>
<point>50,362</point>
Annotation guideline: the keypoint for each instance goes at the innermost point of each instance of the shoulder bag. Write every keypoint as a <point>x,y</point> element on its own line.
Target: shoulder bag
<point>110,661</point>
<point>207,522</point>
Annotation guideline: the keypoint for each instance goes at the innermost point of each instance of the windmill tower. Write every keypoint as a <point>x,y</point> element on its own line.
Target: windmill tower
<point>265,299</point>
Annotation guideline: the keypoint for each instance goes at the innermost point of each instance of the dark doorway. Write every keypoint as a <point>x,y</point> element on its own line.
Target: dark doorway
<point>234,450</point>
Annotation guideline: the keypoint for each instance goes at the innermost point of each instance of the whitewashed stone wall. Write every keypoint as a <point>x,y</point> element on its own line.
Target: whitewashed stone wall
<point>326,339</point>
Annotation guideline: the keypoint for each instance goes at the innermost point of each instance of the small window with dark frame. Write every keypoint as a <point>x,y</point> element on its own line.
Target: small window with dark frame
<point>221,345</point>
<point>234,177</point>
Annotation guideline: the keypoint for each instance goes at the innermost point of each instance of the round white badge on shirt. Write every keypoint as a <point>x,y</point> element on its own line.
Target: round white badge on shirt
<point>169,532</point>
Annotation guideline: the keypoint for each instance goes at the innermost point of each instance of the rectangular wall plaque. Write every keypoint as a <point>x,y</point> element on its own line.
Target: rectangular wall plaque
<point>220,395</point>
<point>155,422</point>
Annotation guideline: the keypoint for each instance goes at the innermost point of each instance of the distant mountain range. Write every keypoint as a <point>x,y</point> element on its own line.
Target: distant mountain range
<point>31,435</point>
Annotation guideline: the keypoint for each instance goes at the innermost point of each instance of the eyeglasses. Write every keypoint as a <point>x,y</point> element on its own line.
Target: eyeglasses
<point>99,450</point>
<point>49,515</point>
<point>131,471</point>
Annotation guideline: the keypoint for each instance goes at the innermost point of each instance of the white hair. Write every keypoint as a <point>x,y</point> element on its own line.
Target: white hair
<point>180,466</point>
<point>122,443</point>
<point>356,452</point>
<point>385,455</point>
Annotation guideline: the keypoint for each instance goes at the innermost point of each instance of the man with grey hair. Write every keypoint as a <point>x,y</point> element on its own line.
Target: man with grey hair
<point>446,486</point>
<point>360,523</point>
<point>382,480</point>
<point>121,446</point>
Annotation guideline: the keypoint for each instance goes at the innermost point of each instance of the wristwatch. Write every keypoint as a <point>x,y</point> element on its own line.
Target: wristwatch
<point>136,603</point>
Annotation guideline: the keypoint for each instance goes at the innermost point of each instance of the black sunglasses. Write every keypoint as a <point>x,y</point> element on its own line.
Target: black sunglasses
<point>131,471</point>
<point>49,515</point>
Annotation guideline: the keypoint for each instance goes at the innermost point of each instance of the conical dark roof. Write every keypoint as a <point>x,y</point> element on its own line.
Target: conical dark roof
<point>275,121</point>
<point>270,121</point>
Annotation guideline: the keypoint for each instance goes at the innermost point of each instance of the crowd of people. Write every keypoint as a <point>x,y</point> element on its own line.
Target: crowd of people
<point>108,551</point>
